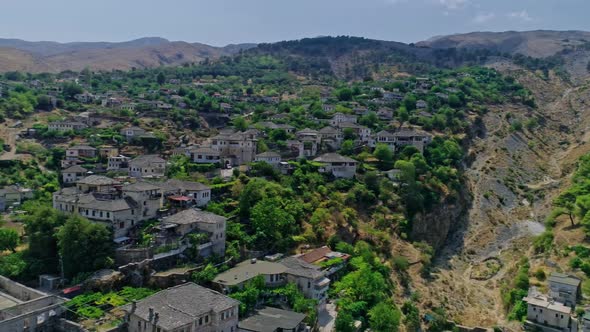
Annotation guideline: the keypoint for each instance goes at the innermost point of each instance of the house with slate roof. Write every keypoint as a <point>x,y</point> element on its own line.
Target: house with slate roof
<point>187,307</point>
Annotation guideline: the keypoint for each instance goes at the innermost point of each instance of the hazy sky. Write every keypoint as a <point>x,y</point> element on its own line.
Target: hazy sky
<point>219,22</point>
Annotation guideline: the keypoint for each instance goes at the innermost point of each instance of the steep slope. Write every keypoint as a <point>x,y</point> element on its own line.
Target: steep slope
<point>513,177</point>
<point>537,44</point>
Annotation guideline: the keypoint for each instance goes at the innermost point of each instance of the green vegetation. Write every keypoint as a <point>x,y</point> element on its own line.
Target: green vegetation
<point>95,305</point>
<point>515,291</point>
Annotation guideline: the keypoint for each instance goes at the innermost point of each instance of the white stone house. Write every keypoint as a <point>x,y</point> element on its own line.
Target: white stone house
<point>337,165</point>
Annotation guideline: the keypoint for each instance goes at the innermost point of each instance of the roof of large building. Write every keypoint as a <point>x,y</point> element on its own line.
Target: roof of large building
<point>543,301</point>
<point>75,169</point>
<point>268,154</point>
<point>298,267</point>
<point>82,147</point>
<point>181,305</point>
<point>140,186</point>
<point>146,160</point>
<point>92,201</point>
<point>175,185</point>
<point>190,216</point>
<point>247,270</point>
<point>334,158</point>
<point>98,180</point>
<point>270,319</point>
<point>564,279</point>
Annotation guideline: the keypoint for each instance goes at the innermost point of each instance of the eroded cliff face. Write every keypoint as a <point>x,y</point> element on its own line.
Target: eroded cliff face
<point>510,182</point>
<point>436,226</point>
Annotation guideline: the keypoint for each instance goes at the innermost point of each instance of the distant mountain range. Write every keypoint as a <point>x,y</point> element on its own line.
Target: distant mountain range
<point>16,54</point>
<point>537,44</point>
<point>150,52</point>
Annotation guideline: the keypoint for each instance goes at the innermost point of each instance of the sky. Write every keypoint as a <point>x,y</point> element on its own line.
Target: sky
<point>221,22</point>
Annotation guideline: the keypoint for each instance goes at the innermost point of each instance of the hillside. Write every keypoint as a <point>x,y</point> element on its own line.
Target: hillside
<point>55,57</point>
<point>537,44</point>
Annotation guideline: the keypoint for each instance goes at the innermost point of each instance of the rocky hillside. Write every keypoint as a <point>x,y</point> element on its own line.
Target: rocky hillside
<point>141,53</point>
<point>537,44</point>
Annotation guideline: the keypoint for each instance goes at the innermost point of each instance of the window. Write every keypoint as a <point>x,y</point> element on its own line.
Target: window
<point>206,319</point>
<point>108,214</point>
<point>122,224</point>
<point>309,284</point>
<point>200,321</point>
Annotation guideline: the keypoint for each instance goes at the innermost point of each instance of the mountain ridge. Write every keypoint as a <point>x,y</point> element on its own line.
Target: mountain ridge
<point>148,52</point>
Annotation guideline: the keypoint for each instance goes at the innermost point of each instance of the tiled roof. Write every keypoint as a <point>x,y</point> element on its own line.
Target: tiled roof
<point>190,216</point>
<point>334,158</point>
<point>181,305</point>
<point>98,180</point>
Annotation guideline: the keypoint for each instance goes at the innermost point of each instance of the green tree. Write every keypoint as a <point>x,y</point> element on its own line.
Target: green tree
<point>206,275</point>
<point>272,223</point>
<point>84,246</point>
<point>160,78</point>
<point>41,224</point>
<point>344,322</point>
<point>240,123</point>
<point>384,317</point>
<point>384,154</point>
<point>9,239</point>
<point>347,147</point>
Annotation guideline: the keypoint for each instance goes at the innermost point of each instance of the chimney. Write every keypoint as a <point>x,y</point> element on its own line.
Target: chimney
<point>253,261</point>
<point>151,314</point>
<point>156,318</point>
<point>133,306</point>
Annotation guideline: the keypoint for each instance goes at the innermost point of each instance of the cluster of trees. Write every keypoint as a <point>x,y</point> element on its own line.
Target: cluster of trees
<point>57,243</point>
<point>365,292</point>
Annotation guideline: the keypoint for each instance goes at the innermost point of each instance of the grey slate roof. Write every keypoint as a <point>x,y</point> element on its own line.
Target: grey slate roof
<point>298,267</point>
<point>89,201</point>
<point>82,147</point>
<point>98,180</point>
<point>334,158</point>
<point>75,169</point>
<point>247,270</point>
<point>146,160</point>
<point>564,279</point>
<point>181,305</point>
<point>175,185</point>
<point>140,186</point>
<point>270,319</point>
<point>268,154</point>
<point>190,216</point>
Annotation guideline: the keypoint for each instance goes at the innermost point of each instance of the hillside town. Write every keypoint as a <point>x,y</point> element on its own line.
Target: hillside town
<point>186,199</point>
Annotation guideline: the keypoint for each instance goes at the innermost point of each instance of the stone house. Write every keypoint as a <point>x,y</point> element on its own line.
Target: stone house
<point>147,166</point>
<point>268,319</point>
<point>183,308</point>
<point>204,155</point>
<point>270,157</point>
<point>73,174</point>
<point>273,274</point>
<point>235,148</point>
<point>131,133</point>
<point>192,220</point>
<point>62,126</point>
<point>337,165</point>
<point>13,195</point>
<point>199,193</point>
<point>309,278</point>
<point>80,151</point>
<point>105,200</point>
<point>339,118</point>
<point>565,288</point>
<point>118,163</point>
<point>545,314</point>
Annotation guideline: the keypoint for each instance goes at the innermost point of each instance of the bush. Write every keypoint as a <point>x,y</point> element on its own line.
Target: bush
<point>400,263</point>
